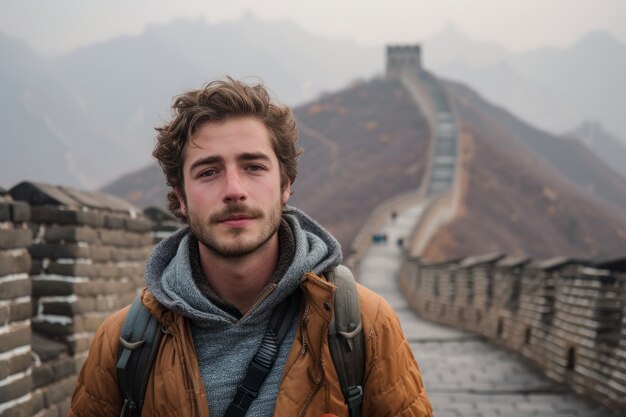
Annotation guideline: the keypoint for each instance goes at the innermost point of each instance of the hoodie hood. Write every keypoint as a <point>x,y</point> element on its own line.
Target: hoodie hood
<point>169,277</point>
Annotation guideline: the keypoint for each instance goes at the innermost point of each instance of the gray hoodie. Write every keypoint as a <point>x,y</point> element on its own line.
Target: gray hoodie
<point>224,342</point>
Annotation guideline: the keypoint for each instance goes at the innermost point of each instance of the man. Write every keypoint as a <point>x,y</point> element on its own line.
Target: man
<point>229,154</point>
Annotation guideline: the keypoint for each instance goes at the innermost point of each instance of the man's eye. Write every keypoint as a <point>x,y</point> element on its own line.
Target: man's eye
<point>255,168</point>
<point>208,173</point>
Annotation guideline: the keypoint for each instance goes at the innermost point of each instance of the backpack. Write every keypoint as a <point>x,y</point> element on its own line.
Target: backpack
<point>141,336</point>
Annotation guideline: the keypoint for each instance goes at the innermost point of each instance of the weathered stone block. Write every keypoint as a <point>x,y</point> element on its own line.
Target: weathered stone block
<point>79,344</point>
<point>16,288</point>
<point>138,225</point>
<point>89,322</point>
<point>91,288</point>
<point>53,329</point>
<point>20,311</point>
<point>109,271</point>
<point>71,234</point>
<point>20,211</point>
<point>4,369</point>
<point>48,287</point>
<point>37,267</point>
<point>100,253</point>
<point>56,251</point>
<point>112,237</point>
<point>128,270</point>
<point>47,349</point>
<point>142,240</point>
<point>20,336</point>
<point>27,408</point>
<point>20,363</point>
<point>64,406</point>
<point>64,308</point>
<point>5,211</point>
<point>59,391</point>
<point>114,302</point>
<point>53,215</point>
<point>15,264</point>
<point>16,388</point>
<point>120,255</point>
<point>4,314</point>
<point>42,375</point>
<point>15,238</point>
<point>114,222</point>
<point>74,269</point>
<point>63,368</point>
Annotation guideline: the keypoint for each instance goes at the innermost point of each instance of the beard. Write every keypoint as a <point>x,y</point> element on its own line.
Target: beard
<point>234,243</point>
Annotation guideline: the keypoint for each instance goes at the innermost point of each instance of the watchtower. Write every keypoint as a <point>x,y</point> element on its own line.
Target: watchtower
<point>402,58</point>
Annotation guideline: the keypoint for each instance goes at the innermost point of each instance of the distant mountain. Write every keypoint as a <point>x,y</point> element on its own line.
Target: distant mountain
<point>129,82</point>
<point>31,148</point>
<point>570,159</point>
<point>553,89</point>
<point>88,117</point>
<point>48,133</point>
<point>452,46</point>
<point>610,149</point>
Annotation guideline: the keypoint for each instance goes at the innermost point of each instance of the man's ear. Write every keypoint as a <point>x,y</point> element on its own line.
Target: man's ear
<point>181,200</point>
<point>287,192</point>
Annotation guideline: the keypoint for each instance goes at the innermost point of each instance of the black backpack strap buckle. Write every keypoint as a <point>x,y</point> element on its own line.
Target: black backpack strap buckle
<point>354,398</point>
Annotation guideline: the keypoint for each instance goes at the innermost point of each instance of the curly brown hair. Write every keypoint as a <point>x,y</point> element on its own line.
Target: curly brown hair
<point>218,101</point>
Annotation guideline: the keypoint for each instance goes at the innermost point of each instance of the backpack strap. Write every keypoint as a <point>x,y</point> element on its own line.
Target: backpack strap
<point>263,361</point>
<point>139,342</point>
<point>345,339</point>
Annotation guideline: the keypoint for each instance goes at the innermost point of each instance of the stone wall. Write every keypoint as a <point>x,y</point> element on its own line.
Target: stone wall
<point>16,359</point>
<point>567,316</point>
<point>68,259</point>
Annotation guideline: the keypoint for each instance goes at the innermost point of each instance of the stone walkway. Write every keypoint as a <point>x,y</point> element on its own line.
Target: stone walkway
<point>464,375</point>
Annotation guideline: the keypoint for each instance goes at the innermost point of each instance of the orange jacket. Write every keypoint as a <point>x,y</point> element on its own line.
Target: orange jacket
<point>309,388</point>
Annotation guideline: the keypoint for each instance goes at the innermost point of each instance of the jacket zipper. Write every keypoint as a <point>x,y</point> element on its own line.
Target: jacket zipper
<point>302,329</point>
<point>262,296</point>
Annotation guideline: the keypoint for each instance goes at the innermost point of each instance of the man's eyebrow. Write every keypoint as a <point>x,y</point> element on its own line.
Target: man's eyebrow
<point>205,161</point>
<point>253,156</point>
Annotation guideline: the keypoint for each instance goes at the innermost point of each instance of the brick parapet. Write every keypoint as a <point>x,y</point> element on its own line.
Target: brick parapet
<point>75,258</point>
<point>567,316</point>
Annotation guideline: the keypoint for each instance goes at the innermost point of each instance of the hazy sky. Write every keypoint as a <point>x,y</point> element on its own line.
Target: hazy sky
<point>57,26</point>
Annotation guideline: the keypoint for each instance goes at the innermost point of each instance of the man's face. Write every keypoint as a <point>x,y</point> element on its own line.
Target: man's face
<point>232,187</point>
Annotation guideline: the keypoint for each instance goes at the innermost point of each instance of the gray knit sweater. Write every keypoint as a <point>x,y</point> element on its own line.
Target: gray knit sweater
<point>225,343</point>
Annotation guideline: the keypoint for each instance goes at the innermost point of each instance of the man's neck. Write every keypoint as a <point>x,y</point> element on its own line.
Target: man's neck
<point>239,281</point>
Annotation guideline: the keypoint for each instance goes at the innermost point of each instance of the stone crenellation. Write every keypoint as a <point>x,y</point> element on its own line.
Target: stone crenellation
<point>68,259</point>
<point>567,316</point>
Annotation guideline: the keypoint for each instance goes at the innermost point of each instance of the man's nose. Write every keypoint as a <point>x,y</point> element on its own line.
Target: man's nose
<point>234,189</point>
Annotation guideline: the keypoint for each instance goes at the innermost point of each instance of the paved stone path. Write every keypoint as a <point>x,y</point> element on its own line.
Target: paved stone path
<point>464,375</point>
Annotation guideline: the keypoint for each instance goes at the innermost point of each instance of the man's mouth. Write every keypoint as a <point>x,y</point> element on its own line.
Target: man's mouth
<point>237,220</point>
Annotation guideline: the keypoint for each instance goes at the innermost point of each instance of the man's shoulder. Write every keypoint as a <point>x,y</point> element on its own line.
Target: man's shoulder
<point>112,325</point>
<point>375,310</point>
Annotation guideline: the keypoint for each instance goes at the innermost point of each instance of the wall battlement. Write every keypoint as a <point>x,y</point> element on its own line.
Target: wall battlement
<point>68,259</point>
<point>568,316</point>
<point>403,58</point>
